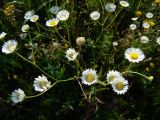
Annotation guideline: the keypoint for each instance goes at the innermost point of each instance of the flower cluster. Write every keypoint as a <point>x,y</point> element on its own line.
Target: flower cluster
<point>96,43</point>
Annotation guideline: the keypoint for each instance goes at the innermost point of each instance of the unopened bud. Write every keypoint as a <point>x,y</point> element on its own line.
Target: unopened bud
<point>80,41</point>
<point>150,78</point>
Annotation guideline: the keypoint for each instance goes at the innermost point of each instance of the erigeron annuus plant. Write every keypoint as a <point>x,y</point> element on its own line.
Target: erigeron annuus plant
<point>60,29</point>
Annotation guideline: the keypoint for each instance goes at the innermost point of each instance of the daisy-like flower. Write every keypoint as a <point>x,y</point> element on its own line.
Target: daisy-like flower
<point>144,39</point>
<point>17,96</point>
<point>134,18</point>
<point>120,85</point>
<point>124,3</point>
<point>115,43</point>
<point>110,7</point>
<point>2,35</point>
<point>149,15</point>
<point>23,36</point>
<point>52,22</point>
<point>158,40</point>
<point>34,18</point>
<point>54,9</point>
<point>111,75</point>
<point>41,83</point>
<point>71,54</point>
<point>9,46</point>
<point>63,15</point>
<point>146,25</point>
<point>134,55</point>
<point>25,28</point>
<point>89,77</point>
<point>133,26</point>
<point>95,15</point>
<point>80,41</point>
<point>29,14</point>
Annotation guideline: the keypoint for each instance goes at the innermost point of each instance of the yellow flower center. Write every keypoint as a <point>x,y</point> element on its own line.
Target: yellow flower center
<point>53,23</point>
<point>63,16</point>
<point>123,4</point>
<point>11,48</point>
<point>90,78</point>
<point>119,86</point>
<point>71,55</point>
<point>42,84</point>
<point>134,55</point>
<point>34,19</point>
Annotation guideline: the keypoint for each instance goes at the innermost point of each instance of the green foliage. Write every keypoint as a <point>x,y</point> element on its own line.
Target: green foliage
<point>43,52</point>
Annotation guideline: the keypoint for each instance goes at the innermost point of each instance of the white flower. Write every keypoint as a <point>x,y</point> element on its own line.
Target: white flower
<point>146,25</point>
<point>115,43</point>
<point>120,85</point>
<point>9,46</point>
<point>23,35</point>
<point>133,26</point>
<point>134,55</point>
<point>134,19</point>
<point>124,3</point>
<point>149,15</point>
<point>144,39</point>
<point>2,35</point>
<point>71,54</point>
<point>52,22</point>
<point>158,40</point>
<point>95,15</point>
<point>34,18</point>
<point>29,14</point>
<point>18,96</point>
<point>25,28</point>
<point>111,75</point>
<point>63,15</point>
<point>41,83</point>
<point>89,77</point>
<point>80,41</point>
<point>110,7</point>
<point>54,9</point>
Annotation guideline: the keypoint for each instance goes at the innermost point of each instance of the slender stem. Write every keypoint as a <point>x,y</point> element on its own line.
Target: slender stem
<point>61,36</point>
<point>135,73</point>
<point>23,58</point>
<point>68,35</point>
<point>113,19</point>
<point>85,96</point>
<point>35,66</point>
<point>78,65</point>
<point>60,81</point>
<point>139,4</point>
<point>103,23</point>
<point>38,27</point>
<point>129,67</point>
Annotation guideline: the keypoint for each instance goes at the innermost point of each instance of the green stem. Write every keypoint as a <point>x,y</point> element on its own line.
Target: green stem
<point>35,66</point>
<point>68,34</point>
<point>103,23</point>
<point>38,27</point>
<point>135,73</point>
<point>61,36</point>
<point>60,81</point>
<point>113,19</point>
